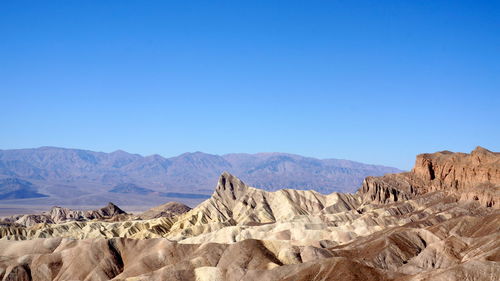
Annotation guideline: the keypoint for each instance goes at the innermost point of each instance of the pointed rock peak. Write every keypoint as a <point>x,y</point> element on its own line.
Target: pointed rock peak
<point>176,207</point>
<point>226,179</point>
<point>111,205</point>
<point>230,187</point>
<point>480,150</point>
<point>113,209</point>
<point>482,156</point>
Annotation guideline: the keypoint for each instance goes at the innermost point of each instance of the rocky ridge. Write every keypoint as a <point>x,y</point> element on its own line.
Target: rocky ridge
<point>419,225</point>
<point>59,215</point>
<point>170,209</point>
<point>474,176</point>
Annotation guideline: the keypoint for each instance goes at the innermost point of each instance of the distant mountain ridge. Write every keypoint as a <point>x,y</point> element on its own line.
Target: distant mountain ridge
<point>74,173</point>
<point>11,188</point>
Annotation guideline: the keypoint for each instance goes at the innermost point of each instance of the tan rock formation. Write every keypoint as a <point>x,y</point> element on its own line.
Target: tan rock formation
<point>170,209</point>
<point>419,225</point>
<point>59,215</point>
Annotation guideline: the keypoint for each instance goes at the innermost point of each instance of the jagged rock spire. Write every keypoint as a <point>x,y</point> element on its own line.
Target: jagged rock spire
<point>230,188</point>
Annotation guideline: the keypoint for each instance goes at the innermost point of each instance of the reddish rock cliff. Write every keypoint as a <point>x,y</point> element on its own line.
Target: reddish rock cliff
<point>474,176</point>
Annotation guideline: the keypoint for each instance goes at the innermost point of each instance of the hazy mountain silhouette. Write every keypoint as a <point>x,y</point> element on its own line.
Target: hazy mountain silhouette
<point>12,188</point>
<point>74,173</point>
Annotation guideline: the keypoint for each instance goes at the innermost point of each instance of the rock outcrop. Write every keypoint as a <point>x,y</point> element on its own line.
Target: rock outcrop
<point>387,189</point>
<point>474,176</point>
<point>470,177</point>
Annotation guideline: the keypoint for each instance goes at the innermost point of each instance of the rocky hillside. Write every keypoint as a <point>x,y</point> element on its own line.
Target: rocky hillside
<point>474,176</point>
<point>418,225</point>
<point>60,215</point>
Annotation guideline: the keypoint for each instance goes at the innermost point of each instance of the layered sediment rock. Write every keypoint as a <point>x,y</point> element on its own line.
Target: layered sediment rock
<point>418,225</point>
<point>387,189</point>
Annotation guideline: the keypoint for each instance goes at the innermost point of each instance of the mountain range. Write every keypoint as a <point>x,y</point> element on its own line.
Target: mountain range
<point>60,176</point>
<point>439,221</point>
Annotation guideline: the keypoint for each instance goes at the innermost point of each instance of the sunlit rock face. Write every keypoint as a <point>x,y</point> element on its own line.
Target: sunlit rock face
<point>439,221</point>
<point>474,176</point>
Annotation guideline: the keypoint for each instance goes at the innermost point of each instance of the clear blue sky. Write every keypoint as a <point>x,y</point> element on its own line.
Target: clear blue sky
<point>372,81</point>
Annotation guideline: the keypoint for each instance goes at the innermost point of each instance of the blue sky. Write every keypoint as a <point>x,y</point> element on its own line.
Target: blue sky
<point>372,81</point>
